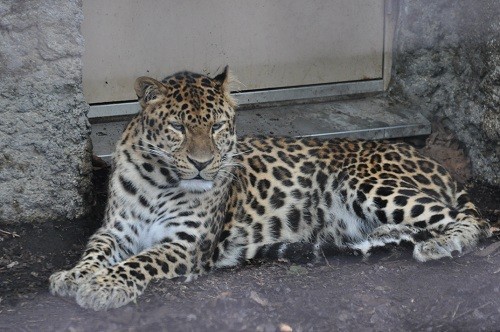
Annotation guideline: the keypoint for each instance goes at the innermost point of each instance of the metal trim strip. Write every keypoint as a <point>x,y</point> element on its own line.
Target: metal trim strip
<point>261,96</point>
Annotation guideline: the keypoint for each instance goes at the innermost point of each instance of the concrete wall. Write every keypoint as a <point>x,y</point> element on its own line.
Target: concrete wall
<point>447,62</point>
<point>45,154</point>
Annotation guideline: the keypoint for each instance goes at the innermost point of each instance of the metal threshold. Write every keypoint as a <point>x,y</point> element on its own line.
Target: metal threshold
<point>368,118</point>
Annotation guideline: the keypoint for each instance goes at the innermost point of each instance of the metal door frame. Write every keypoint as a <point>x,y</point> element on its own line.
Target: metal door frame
<point>303,93</point>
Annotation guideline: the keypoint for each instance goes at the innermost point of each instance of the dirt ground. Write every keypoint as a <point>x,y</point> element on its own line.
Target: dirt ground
<point>390,291</point>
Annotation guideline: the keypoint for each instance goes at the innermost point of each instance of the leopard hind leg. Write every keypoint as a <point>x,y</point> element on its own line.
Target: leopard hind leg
<point>436,229</point>
<point>299,252</point>
<point>392,234</point>
<point>457,235</point>
<point>435,242</point>
<point>457,229</point>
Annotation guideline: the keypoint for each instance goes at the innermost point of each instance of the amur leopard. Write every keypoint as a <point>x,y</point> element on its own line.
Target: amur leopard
<point>187,196</point>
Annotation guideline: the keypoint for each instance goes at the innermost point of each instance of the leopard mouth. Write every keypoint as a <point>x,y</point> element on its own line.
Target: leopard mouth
<point>196,184</point>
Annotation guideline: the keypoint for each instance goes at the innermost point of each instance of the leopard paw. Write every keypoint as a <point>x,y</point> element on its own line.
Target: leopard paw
<point>63,283</point>
<point>102,292</point>
<point>66,283</point>
<point>393,234</point>
<point>433,250</point>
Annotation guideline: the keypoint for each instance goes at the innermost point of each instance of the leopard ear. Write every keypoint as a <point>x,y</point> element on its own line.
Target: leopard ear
<point>223,77</point>
<point>227,83</point>
<point>148,89</point>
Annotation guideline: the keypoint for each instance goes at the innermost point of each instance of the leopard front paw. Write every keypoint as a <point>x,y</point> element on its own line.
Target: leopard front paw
<point>102,292</point>
<point>66,283</point>
<point>63,283</point>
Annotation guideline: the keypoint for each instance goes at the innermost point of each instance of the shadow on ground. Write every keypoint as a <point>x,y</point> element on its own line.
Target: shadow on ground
<point>388,292</point>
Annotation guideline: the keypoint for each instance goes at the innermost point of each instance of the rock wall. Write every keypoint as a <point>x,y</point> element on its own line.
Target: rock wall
<point>447,62</point>
<point>45,151</point>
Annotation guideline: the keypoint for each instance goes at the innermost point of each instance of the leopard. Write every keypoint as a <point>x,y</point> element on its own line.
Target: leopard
<point>187,196</point>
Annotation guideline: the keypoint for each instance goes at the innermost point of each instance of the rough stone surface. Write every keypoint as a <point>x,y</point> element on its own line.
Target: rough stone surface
<point>45,149</point>
<point>447,63</point>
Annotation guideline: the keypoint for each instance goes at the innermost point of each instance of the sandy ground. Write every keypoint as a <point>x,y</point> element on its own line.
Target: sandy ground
<point>389,292</point>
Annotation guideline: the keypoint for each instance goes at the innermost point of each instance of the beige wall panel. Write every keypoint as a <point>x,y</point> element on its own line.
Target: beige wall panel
<point>267,44</point>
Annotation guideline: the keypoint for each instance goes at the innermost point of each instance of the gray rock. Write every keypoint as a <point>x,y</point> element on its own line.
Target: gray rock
<point>447,63</point>
<point>45,151</point>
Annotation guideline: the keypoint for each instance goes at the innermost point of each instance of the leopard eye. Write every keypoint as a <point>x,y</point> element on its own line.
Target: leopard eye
<point>178,126</point>
<point>217,126</point>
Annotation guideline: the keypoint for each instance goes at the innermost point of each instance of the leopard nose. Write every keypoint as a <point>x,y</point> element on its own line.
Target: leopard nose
<point>200,165</point>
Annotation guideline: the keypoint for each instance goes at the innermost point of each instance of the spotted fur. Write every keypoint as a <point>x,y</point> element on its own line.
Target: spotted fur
<point>187,196</point>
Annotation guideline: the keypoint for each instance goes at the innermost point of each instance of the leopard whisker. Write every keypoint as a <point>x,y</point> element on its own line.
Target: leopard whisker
<point>151,149</point>
<point>239,153</point>
<point>228,164</point>
<point>154,146</point>
<point>154,152</point>
<point>228,175</point>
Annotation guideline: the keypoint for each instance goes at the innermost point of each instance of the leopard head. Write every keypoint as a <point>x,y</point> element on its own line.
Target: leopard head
<point>188,120</point>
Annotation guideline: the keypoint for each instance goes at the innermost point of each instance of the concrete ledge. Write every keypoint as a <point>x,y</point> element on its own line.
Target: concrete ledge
<point>369,118</point>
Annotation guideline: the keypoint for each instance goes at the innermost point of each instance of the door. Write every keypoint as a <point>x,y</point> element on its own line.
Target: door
<point>269,45</point>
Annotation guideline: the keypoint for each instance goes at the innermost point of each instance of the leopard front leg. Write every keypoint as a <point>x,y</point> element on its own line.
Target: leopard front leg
<point>125,281</point>
<point>103,250</point>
